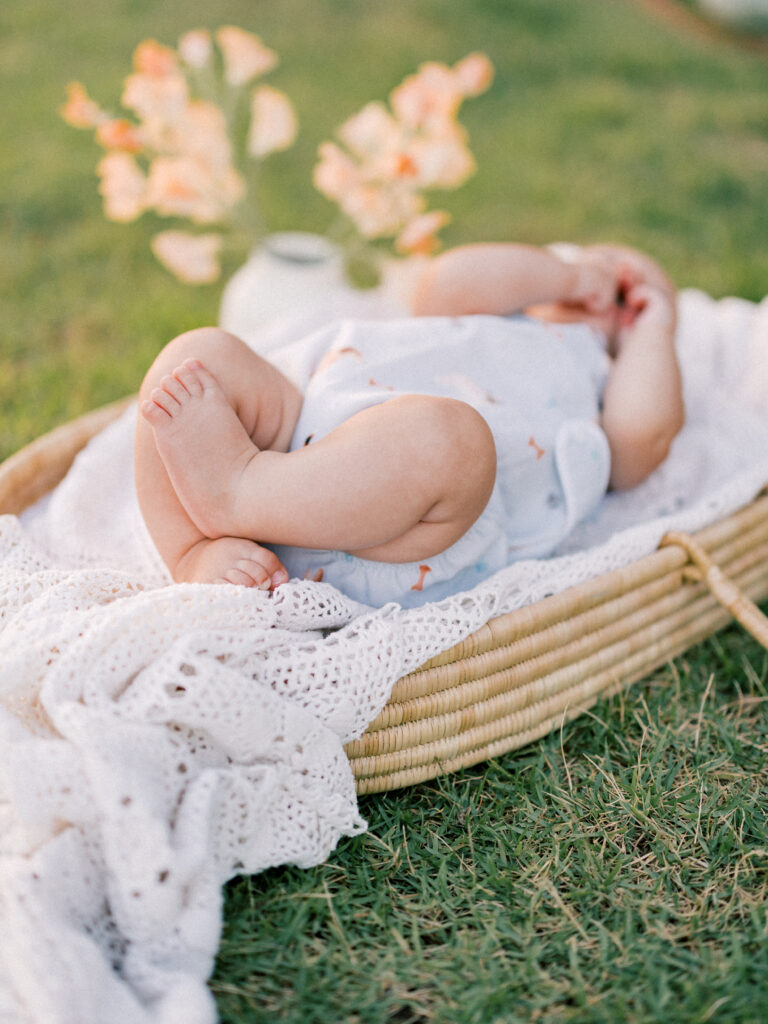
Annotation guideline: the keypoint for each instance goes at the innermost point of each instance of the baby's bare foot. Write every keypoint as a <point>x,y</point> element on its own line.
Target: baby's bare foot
<point>231,560</point>
<point>202,443</point>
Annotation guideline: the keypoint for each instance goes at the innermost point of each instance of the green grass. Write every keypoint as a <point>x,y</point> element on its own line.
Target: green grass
<point>616,871</point>
<point>612,872</point>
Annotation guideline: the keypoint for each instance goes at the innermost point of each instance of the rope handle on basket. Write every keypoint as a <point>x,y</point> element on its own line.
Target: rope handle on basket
<point>724,589</point>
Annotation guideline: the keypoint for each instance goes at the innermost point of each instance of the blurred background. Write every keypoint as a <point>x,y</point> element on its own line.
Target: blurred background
<point>606,120</point>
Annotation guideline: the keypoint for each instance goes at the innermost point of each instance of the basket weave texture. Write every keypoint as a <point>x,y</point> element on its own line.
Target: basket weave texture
<point>531,670</point>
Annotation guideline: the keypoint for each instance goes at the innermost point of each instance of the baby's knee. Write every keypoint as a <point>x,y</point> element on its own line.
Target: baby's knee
<point>214,347</point>
<point>474,446</point>
<point>211,345</point>
<point>464,445</point>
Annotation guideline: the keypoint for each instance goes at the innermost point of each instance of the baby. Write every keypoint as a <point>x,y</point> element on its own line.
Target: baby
<point>428,452</point>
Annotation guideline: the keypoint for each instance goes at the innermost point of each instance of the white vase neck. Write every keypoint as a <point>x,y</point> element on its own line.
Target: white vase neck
<point>300,247</point>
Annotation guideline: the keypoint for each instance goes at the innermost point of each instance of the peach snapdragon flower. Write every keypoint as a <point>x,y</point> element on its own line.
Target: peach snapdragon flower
<point>118,133</point>
<point>372,133</point>
<point>474,73</point>
<point>435,93</point>
<point>419,236</point>
<point>335,173</point>
<point>203,134</point>
<point>160,98</point>
<point>443,159</point>
<point>153,59</point>
<point>245,56</point>
<point>80,110</point>
<point>194,259</point>
<point>196,48</point>
<point>273,122</point>
<point>389,157</point>
<point>182,186</point>
<point>380,212</point>
<point>178,156</point>
<point>123,187</point>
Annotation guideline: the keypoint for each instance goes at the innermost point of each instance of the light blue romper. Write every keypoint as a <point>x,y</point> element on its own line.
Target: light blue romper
<point>537,385</point>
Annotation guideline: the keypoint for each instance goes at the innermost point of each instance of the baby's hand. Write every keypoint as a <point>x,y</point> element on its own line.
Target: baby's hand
<point>646,307</point>
<point>597,283</point>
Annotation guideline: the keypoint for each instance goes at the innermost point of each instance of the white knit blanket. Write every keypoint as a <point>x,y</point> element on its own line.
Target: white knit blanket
<point>157,739</point>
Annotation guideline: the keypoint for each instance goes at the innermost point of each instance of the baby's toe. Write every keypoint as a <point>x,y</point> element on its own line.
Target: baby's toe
<point>173,387</point>
<point>205,379</point>
<point>154,414</point>
<point>188,379</point>
<point>273,566</point>
<point>255,570</point>
<point>161,399</point>
<point>239,578</point>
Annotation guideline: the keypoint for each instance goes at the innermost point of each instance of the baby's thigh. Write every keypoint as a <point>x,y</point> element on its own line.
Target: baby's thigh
<point>434,462</point>
<point>266,402</point>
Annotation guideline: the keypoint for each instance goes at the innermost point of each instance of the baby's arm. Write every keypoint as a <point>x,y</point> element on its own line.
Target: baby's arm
<point>501,278</point>
<point>643,401</point>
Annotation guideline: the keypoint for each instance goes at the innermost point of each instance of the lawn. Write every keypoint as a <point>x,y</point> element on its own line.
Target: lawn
<point>617,870</point>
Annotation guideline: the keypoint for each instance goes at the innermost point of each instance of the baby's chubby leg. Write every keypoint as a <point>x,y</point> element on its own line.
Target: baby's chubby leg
<point>397,482</point>
<point>191,554</point>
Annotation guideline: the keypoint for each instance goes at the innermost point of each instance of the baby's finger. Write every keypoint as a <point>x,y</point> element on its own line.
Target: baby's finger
<point>628,275</point>
<point>638,297</point>
<point>653,305</point>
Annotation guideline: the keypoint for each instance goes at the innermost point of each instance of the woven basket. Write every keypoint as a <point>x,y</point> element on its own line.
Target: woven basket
<point>526,672</point>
